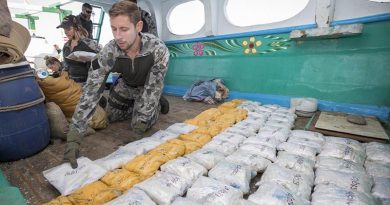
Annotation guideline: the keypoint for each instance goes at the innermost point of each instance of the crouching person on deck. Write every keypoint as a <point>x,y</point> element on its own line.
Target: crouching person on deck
<point>142,61</point>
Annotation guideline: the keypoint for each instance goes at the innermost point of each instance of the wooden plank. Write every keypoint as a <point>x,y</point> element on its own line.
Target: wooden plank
<point>337,122</point>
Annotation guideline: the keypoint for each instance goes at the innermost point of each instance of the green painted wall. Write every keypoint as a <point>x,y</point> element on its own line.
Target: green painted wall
<point>350,70</point>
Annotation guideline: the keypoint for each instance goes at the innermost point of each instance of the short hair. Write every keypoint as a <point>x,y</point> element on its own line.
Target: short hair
<point>87,6</point>
<point>134,1</point>
<point>126,8</point>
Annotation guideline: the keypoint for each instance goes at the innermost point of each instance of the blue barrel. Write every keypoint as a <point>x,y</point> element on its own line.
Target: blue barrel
<point>24,127</point>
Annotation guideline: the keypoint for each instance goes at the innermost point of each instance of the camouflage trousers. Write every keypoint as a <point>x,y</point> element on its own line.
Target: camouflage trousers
<point>122,101</point>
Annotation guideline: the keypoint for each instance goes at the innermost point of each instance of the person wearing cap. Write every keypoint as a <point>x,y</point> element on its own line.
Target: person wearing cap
<point>150,25</point>
<point>142,61</point>
<point>78,41</point>
<point>85,18</point>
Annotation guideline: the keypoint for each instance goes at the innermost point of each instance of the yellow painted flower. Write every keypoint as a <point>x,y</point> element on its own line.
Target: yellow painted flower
<point>250,46</point>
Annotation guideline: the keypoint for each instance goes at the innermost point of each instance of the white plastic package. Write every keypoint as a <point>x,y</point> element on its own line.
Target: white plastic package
<point>260,117</point>
<point>317,147</point>
<point>233,174</point>
<point>267,141</point>
<point>280,134</point>
<point>164,187</point>
<point>163,136</point>
<point>209,191</point>
<point>223,146</point>
<point>115,159</point>
<point>377,169</point>
<point>381,189</point>
<point>378,152</point>
<point>252,124</point>
<point>185,168</point>
<point>281,124</point>
<point>273,107</point>
<point>295,162</point>
<point>81,56</point>
<point>256,162</point>
<point>246,133</point>
<point>299,183</point>
<point>132,196</point>
<point>248,128</point>
<point>208,158</point>
<point>353,181</point>
<point>313,136</point>
<point>282,118</point>
<point>331,194</point>
<point>66,179</point>
<point>181,128</point>
<point>271,193</point>
<point>346,141</point>
<point>184,201</point>
<point>262,150</point>
<point>141,146</point>
<point>340,165</point>
<point>342,152</point>
<point>298,149</point>
<point>233,138</point>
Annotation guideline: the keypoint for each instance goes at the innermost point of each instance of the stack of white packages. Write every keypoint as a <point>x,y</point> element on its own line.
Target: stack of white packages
<point>340,176</point>
<point>378,166</point>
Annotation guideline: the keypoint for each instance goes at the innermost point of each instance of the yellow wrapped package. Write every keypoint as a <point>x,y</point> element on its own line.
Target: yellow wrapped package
<point>96,193</point>
<point>209,114</point>
<point>196,137</point>
<point>121,179</point>
<point>170,150</point>
<point>241,114</point>
<point>61,200</point>
<point>228,105</point>
<point>238,101</point>
<point>192,121</point>
<point>146,165</point>
<point>228,118</point>
<point>190,146</point>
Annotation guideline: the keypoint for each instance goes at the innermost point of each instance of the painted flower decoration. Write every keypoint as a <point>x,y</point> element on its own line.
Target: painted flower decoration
<point>198,49</point>
<point>250,47</point>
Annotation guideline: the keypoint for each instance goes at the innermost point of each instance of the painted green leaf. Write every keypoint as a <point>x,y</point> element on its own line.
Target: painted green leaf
<point>233,43</point>
<point>210,52</point>
<point>176,49</point>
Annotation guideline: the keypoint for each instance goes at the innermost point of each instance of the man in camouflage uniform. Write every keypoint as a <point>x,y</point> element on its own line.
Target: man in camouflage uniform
<point>142,60</point>
<point>148,20</point>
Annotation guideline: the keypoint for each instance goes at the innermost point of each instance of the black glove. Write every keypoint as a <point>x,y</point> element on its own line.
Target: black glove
<point>73,140</point>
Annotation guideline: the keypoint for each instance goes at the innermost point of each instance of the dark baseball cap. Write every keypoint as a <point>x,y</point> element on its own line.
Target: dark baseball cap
<point>69,21</point>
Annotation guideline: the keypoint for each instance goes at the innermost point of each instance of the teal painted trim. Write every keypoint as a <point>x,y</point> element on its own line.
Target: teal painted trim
<point>241,35</point>
<point>381,112</point>
<point>366,19</point>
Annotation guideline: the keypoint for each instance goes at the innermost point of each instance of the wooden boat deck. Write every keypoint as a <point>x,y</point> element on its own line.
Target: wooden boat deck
<point>26,174</point>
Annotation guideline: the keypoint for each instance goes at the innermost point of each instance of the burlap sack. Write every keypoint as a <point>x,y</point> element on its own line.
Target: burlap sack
<point>59,126</point>
<point>63,91</point>
<point>99,119</point>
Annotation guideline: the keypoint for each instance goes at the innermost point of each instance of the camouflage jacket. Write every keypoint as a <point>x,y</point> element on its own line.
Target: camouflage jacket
<point>149,23</point>
<point>94,87</point>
